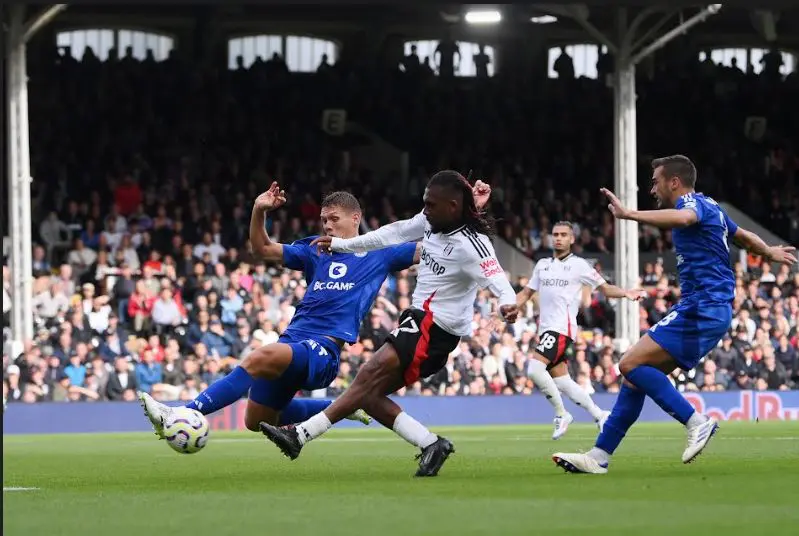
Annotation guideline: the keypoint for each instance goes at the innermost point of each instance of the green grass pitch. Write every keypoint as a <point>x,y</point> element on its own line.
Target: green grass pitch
<point>501,481</point>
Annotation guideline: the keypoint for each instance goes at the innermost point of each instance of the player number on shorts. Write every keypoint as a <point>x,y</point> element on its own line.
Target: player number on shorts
<point>547,342</point>
<point>411,326</point>
<point>318,347</point>
<point>666,320</point>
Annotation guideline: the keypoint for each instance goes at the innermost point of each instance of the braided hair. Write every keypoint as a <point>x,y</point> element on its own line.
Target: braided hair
<point>475,219</point>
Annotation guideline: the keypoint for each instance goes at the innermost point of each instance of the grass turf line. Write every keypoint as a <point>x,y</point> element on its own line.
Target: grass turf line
<point>500,481</point>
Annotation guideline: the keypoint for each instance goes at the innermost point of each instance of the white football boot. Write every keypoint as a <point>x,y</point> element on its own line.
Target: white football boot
<point>573,462</point>
<point>155,411</point>
<point>561,424</point>
<point>698,438</point>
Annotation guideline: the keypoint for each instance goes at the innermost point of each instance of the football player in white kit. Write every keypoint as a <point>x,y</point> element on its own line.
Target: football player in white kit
<point>557,286</point>
<point>456,258</point>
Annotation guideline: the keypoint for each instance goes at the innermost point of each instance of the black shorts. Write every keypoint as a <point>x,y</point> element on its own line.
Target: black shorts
<point>423,347</point>
<point>556,347</point>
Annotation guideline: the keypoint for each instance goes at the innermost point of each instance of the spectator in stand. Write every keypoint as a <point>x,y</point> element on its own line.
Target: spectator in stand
<point>41,266</point>
<point>148,372</point>
<point>121,380</point>
<point>208,246</point>
<point>774,373</point>
<point>140,306</point>
<point>75,371</point>
<point>124,287</point>
<point>166,313</point>
<point>216,340</point>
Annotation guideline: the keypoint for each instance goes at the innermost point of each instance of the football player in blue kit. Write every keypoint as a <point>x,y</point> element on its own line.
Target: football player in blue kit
<point>340,291</point>
<point>693,327</point>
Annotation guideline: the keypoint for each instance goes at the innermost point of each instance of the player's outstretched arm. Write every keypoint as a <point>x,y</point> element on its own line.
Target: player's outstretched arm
<point>664,218</point>
<point>530,291</point>
<point>754,244</point>
<point>612,291</point>
<point>525,295</point>
<point>262,246</point>
<point>668,218</point>
<point>398,232</point>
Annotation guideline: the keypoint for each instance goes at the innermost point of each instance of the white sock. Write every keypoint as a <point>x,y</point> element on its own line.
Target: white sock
<point>413,431</point>
<point>695,420</point>
<point>538,372</point>
<point>578,395</point>
<point>599,455</point>
<point>313,427</point>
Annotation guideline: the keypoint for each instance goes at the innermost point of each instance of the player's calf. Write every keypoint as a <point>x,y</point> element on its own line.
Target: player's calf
<point>646,366</point>
<point>257,413</point>
<point>537,371</point>
<point>290,439</point>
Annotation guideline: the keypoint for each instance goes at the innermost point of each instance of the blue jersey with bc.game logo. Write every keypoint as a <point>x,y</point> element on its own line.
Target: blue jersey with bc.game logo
<point>341,287</point>
<point>703,252</point>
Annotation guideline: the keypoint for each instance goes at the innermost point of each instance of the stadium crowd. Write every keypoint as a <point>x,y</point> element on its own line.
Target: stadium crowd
<point>142,275</point>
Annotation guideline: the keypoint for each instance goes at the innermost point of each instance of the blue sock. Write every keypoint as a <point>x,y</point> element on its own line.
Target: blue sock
<point>658,387</point>
<point>302,409</point>
<point>223,392</point>
<point>625,412</point>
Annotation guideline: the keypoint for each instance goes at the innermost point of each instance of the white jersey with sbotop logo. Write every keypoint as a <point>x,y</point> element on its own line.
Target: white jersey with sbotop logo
<point>451,269</point>
<point>559,283</point>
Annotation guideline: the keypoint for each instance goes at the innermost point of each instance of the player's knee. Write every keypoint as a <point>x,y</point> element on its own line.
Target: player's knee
<point>370,367</point>
<point>626,366</point>
<point>629,384</point>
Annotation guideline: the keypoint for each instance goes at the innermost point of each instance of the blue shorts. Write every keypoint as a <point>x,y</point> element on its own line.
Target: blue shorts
<point>691,330</point>
<point>314,365</point>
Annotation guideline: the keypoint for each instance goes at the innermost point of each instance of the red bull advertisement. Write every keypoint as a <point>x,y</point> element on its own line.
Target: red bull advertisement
<point>747,405</point>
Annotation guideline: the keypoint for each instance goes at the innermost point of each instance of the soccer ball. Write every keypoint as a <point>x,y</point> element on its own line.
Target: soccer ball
<point>186,430</point>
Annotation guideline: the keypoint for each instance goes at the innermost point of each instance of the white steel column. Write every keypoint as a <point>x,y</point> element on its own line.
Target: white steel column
<point>19,168</point>
<point>626,188</point>
<point>20,279</point>
<point>629,49</point>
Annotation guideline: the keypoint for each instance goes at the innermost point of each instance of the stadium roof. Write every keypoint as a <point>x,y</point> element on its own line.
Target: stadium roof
<point>735,19</point>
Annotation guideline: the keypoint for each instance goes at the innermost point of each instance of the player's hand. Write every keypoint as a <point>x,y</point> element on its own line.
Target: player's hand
<point>615,206</point>
<point>782,254</point>
<point>322,244</point>
<point>509,313</point>
<point>482,192</point>
<point>634,294</point>
<point>271,199</point>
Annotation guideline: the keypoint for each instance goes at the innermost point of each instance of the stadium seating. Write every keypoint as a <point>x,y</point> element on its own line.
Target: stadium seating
<point>149,170</point>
